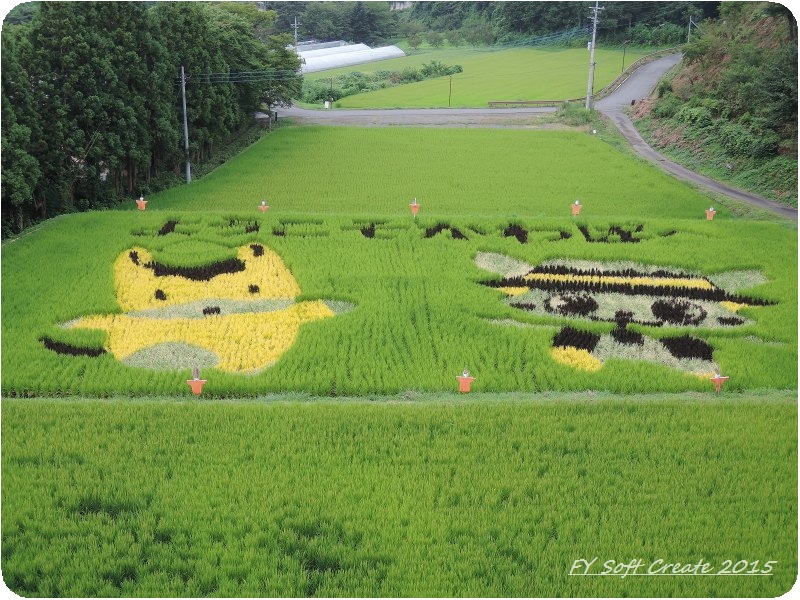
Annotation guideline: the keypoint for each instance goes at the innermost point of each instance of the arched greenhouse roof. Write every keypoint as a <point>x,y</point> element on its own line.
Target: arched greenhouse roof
<point>343,56</point>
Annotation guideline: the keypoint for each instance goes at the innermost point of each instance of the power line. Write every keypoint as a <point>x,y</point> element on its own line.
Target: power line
<point>230,77</point>
<point>243,76</point>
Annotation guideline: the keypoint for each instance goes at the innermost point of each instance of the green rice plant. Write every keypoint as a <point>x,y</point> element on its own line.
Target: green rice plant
<point>419,311</point>
<point>507,74</point>
<point>452,172</point>
<point>493,497</point>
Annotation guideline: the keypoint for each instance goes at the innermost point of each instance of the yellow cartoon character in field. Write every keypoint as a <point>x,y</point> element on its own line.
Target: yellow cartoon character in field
<point>238,315</point>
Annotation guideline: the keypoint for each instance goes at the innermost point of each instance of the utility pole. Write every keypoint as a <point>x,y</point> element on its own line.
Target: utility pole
<point>185,127</point>
<point>689,33</point>
<point>624,47</point>
<point>450,93</point>
<point>590,85</point>
<point>295,34</point>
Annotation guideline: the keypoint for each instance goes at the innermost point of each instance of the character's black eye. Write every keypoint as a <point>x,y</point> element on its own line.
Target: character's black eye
<point>258,249</point>
<point>678,312</point>
<point>571,304</point>
<point>160,295</point>
<point>253,288</point>
<point>134,256</point>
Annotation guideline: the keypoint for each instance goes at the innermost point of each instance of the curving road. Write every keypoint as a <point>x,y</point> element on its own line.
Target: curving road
<point>639,85</point>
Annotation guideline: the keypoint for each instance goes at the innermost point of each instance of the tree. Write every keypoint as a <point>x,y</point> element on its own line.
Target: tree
<point>455,37</point>
<point>435,39</point>
<point>19,167</point>
<point>90,102</point>
<point>261,22</point>
<point>280,92</point>
<point>358,23</point>
<point>322,21</point>
<point>186,31</point>
<point>775,9</point>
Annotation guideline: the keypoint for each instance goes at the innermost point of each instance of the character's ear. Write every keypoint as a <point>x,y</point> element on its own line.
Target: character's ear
<point>734,281</point>
<point>138,256</point>
<point>502,264</point>
<point>134,264</point>
<point>133,280</point>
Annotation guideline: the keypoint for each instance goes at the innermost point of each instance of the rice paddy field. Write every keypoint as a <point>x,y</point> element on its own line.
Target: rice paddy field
<point>510,74</point>
<point>330,453</point>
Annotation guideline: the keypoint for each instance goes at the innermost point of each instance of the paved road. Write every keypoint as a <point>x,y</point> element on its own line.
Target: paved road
<point>440,117</point>
<point>639,85</point>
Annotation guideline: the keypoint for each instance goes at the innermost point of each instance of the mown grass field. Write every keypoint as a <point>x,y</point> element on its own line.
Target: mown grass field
<point>510,74</point>
<point>432,497</point>
<point>349,467</point>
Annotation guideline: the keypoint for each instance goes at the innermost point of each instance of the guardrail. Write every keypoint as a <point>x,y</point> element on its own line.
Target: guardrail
<point>498,103</point>
<point>632,68</point>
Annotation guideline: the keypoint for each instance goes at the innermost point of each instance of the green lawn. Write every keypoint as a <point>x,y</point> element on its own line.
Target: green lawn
<point>498,496</point>
<point>512,74</point>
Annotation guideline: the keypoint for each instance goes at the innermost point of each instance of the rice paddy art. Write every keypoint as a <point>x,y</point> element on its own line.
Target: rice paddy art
<point>238,315</point>
<point>626,294</point>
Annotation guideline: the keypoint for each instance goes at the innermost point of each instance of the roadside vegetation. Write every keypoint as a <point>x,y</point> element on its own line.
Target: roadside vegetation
<point>730,110</point>
<point>317,91</point>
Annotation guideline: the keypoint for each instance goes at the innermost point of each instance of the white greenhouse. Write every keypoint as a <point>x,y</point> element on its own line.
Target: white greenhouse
<point>320,59</point>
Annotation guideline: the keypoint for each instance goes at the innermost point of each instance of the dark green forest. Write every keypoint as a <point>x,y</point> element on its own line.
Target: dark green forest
<point>91,97</point>
<point>481,23</point>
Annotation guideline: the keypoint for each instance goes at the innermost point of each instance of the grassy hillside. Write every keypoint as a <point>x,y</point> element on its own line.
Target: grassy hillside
<point>730,110</point>
<point>515,74</point>
<point>436,497</point>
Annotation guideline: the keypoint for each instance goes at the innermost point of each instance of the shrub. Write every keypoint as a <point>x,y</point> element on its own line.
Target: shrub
<point>664,86</point>
<point>573,113</point>
<point>740,140</point>
<point>696,116</point>
<point>668,106</point>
